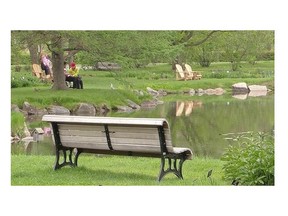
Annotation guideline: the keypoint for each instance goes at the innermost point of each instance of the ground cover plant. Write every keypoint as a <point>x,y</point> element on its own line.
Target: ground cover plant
<point>250,161</point>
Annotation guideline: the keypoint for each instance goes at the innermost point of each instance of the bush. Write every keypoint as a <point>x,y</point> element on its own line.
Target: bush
<point>17,124</point>
<point>251,162</point>
<point>22,79</point>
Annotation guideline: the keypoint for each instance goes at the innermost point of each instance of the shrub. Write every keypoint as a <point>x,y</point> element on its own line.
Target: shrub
<point>22,79</point>
<point>17,124</point>
<point>251,162</point>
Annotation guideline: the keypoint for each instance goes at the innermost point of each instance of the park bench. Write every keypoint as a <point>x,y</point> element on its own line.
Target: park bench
<point>143,137</point>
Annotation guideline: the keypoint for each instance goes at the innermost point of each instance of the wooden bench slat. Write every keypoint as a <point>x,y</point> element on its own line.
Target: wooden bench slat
<point>81,139</point>
<point>90,127</point>
<point>105,120</point>
<point>81,133</point>
<point>87,145</point>
<point>138,148</point>
<point>99,127</point>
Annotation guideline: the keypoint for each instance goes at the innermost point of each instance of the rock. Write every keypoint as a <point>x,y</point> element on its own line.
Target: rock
<point>219,91</point>
<point>30,110</point>
<point>152,91</point>
<point>103,110</point>
<point>123,109</point>
<point>85,109</point>
<point>210,91</point>
<point>191,92</point>
<point>199,91</point>
<point>257,88</point>
<point>58,110</point>
<point>15,108</point>
<point>240,88</point>
<point>162,92</point>
<point>132,104</point>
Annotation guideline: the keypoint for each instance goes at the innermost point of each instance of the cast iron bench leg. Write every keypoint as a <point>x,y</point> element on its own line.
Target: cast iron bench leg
<point>65,162</point>
<point>176,170</point>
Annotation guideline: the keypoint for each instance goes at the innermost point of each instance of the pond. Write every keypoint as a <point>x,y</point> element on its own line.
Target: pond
<point>200,123</point>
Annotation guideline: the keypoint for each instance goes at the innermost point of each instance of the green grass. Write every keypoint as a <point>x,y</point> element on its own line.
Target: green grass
<point>97,89</point>
<point>111,170</point>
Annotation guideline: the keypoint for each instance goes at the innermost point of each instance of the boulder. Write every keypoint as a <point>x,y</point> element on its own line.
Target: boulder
<point>257,88</point>
<point>85,109</point>
<point>133,105</point>
<point>240,88</point>
<point>58,110</point>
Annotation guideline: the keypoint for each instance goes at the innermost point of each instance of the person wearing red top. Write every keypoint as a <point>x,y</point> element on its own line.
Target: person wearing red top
<point>68,77</point>
<point>74,72</point>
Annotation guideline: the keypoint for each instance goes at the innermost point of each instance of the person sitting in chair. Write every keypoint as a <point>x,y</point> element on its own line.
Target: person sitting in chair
<point>74,72</point>
<point>68,78</point>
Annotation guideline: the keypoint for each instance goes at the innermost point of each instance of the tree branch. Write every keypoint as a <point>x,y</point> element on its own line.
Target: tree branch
<point>197,43</point>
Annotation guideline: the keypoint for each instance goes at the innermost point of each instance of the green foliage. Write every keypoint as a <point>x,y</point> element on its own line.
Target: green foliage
<point>17,124</point>
<point>25,79</point>
<point>220,70</point>
<point>134,49</point>
<point>251,162</point>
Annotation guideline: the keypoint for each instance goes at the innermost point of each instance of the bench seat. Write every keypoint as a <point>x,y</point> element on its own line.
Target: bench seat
<point>146,137</point>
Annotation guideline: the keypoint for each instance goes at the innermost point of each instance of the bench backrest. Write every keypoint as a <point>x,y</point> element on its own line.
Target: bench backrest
<point>179,72</point>
<point>188,68</point>
<point>36,70</point>
<point>151,135</point>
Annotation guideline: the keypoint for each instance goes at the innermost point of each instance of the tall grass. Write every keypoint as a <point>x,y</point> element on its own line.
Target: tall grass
<point>17,124</point>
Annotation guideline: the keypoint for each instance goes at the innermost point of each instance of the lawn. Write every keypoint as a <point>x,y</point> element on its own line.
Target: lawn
<point>111,170</point>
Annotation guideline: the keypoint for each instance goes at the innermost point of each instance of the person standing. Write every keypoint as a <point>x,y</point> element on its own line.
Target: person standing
<point>45,64</point>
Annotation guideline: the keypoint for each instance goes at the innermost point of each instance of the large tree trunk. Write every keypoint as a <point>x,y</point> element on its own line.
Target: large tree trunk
<point>34,55</point>
<point>58,66</point>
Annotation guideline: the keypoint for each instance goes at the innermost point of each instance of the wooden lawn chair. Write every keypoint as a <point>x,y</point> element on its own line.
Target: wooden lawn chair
<point>194,74</point>
<point>180,75</point>
<point>38,72</point>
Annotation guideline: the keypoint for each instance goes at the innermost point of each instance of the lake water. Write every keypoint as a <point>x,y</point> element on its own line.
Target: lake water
<point>200,123</point>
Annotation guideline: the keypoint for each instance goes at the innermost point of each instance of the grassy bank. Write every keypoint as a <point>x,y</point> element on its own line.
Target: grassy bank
<point>111,170</point>
<point>97,85</point>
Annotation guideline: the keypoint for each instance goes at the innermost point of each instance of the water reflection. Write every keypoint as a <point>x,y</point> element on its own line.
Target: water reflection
<point>45,147</point>
<point>199,124</point>
<point>250,94</point>
<point>186,107</point>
